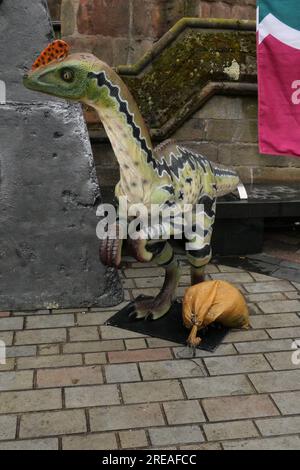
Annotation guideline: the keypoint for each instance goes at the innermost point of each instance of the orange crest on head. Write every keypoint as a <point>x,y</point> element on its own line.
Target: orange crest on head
<point>57,50</point>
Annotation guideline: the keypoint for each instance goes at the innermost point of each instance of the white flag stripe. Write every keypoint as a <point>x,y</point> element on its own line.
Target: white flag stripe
<point>270,25</point>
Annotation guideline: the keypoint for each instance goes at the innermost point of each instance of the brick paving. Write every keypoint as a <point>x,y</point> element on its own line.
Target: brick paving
<point>70,382</point>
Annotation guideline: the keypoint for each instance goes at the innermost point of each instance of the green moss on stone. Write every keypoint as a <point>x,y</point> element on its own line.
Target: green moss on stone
<point>194,59</point>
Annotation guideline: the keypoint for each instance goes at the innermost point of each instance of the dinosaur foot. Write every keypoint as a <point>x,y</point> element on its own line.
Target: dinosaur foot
<point>149,308</point>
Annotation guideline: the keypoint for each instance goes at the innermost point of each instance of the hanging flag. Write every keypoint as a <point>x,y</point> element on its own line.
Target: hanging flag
<point>278,50</point>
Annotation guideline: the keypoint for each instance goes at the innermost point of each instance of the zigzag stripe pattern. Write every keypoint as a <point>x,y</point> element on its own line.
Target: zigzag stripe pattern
<point>114,92</point>
<point>177,162</point>
<point>271,25</point>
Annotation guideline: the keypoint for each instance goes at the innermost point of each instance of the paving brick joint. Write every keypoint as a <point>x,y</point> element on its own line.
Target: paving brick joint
<point>70,382</point>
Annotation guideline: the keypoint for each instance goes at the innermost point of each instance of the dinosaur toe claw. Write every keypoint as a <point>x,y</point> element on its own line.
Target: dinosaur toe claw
<point>132,315</point>
<point>149,316</point>
<point>129,309</point>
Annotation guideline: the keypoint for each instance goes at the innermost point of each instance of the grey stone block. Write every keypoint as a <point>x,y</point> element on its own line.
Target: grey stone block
<point>25,29</point>
<point>288,403</point>
<point>175,434</point>
<point>28,444</point>
<point>282,381</point>
<point>49,194</point>
<point>48,185</point>
<point>95,441</point>
<point>272,443</point>
<point>125,417</point>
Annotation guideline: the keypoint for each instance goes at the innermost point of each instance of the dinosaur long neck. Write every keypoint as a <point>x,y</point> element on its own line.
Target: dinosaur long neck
<point>127,133</point>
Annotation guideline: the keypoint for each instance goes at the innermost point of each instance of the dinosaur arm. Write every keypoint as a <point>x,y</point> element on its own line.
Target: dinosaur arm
<point>111,246</point>
<point>112,242</point>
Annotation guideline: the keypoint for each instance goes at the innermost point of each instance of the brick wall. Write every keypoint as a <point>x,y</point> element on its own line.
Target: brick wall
<point>120,31</point>
<point>242,9</point>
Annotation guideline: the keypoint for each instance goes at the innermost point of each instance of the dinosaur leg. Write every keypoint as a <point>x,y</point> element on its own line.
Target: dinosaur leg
<point>197,268</point>
<point>157,307</point>
<point>200,256</point>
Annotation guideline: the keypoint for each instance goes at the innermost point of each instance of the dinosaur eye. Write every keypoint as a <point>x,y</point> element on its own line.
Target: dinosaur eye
<point>67,75</point>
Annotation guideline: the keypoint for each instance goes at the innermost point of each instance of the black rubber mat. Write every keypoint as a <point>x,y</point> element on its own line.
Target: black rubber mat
<point>169,327</point>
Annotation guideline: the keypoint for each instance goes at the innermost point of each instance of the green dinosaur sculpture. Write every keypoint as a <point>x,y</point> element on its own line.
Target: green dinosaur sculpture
<point>169,175</point>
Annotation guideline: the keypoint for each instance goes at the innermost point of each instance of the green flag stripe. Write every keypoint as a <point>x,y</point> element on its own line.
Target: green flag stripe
<point>287,11</point>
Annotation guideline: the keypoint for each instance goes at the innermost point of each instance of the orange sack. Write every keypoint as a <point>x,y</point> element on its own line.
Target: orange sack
<point>213,301</point>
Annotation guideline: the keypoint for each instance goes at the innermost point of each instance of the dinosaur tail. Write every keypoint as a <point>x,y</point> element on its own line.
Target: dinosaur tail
<point>227,180</point>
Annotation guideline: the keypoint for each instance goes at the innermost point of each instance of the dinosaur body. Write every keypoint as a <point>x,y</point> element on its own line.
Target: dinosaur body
<point>170,172</point>
<point>170,175</point>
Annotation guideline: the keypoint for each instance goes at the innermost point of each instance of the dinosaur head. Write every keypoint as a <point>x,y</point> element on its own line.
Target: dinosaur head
<point>58,73</point>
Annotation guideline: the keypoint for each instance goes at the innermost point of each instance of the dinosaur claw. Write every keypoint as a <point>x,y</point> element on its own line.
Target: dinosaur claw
<point>145,307</point>
<point>140,297</point>
<point>149,316</point>
<point>133,315</point>
<point>129,309</point>
<point>132,312</point>
<point>143,297</point>
<point>111,248</point>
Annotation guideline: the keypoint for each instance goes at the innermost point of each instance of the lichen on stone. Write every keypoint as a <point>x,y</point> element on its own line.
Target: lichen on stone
<point>233,71</point>
<point>186,65</point>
